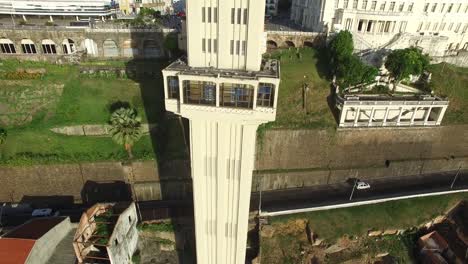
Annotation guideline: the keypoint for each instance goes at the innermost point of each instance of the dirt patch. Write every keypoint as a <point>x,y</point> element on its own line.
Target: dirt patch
<point>290,245</point>
<point>20,101</point>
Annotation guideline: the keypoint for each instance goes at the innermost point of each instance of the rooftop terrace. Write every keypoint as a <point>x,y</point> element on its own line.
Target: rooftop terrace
<point>269,69</point>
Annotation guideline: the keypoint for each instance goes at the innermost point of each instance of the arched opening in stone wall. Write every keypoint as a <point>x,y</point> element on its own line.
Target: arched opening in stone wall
<point>7,46</point>
<point>151,49</point>
<point>130,48</point>
<point>49,47</point>
<point>289,44</point>
<point>110,49</point>
<point>271,44</point>
<point>68,46</point>
<point>28,46</point>
<point>308,44</point>
<point>90,47</point>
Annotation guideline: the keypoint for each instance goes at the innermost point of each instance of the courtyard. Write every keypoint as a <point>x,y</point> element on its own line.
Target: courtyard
<point>31,107</point>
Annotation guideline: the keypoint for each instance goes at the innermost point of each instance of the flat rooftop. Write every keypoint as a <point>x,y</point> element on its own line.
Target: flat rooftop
<point>34,229</point>
<point>270,68</point>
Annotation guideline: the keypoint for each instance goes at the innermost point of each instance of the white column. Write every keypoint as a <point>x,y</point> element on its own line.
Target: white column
<point>428,113</point>
<point>371,116</point>
<point>414,115</point>
<point>218,95</point>
<point>441,115</point>
<point>344,113</point>
<point>255,94</point>
<point>222,155</point>
<point>384,121</point>
<point>166,86</point>
<point>181,90</point>
<point>399,116</point>
<point>51,19</point>
<point>356,118</point>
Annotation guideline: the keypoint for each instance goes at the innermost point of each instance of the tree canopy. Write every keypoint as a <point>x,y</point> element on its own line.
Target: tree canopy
<point>348,68</point>
<point>403,62</point>
<point>341,47</point>
<point>125,128</point>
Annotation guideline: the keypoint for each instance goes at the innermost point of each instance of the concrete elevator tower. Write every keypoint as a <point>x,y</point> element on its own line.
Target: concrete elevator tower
<point>226,90</point>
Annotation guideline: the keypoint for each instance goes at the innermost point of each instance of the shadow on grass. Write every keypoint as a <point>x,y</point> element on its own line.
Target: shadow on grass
<point>169,147</point>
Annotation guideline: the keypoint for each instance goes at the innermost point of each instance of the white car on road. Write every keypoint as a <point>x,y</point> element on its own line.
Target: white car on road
<point>360,185</point>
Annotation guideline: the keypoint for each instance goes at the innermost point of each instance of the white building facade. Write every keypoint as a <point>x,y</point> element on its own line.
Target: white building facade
<point>85,8</point>
<point>226,90</point>
<point>438,27</point>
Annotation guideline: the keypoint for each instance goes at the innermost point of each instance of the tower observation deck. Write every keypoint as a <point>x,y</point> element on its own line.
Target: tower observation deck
<point>226,90</point>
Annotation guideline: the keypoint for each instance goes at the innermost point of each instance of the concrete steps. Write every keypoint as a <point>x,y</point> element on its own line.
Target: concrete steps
<point>64,253</point>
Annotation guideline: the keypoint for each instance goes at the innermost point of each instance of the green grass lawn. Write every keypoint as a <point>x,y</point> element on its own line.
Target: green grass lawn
<point>347,224</point>
<point>290,113</point>
<point>356,221</point>
<point>452,81</point>
<point>87,100</point>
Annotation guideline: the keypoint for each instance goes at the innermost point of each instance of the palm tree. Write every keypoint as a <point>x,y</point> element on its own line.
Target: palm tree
<point>3,136</point>
<point>125,128</point>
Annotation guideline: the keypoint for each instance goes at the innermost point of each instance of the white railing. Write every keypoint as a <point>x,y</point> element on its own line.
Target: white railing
<point>294,33</point>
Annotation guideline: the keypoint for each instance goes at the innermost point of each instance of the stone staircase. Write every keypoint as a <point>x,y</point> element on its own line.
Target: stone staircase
<point>64,253</point>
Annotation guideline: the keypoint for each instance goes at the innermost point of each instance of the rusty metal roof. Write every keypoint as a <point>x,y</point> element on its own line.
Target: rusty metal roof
<point>34,229</point>
<point>14,250</point>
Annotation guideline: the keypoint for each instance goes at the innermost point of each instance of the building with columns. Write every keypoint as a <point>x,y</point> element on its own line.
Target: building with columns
<point>226,90</point>
<point>438,27</point>
<point>82,8</point>
<point>401,106</point>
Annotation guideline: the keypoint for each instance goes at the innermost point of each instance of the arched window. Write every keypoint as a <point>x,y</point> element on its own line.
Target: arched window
<point>90,47</point>
<point>7,46</point>
<point>68,46</point>
<point>49,47</point>
<point>28,46</point>
<point>130,48</point>
<point>110,48</point>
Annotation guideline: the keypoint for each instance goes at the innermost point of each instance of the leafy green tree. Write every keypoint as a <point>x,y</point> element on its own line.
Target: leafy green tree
<point>3,136</point>
<point>352,71</point>
<point>125,128</point>
<point>403,62</point>
<point>340,48</point>
<point>171,43</point>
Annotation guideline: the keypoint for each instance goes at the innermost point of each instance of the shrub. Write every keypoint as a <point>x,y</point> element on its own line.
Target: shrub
<point>340,48</point>
<point>348,68</point>
<point>403,62</point>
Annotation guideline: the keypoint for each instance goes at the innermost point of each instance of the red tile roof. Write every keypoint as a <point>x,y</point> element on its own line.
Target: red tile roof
<point>34,229</point>
<point>14,250</point>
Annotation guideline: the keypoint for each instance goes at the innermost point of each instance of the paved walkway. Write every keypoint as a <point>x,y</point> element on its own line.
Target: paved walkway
<point>64,253</point>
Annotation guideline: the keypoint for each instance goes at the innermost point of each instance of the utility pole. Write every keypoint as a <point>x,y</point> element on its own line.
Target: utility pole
<point>305,90</point>
<point>260,198</point>
<point>354,187</point>
<point>455,178</point>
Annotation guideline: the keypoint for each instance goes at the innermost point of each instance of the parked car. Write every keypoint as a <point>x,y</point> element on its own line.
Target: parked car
<point>44,212</point>
<point>360,185</point>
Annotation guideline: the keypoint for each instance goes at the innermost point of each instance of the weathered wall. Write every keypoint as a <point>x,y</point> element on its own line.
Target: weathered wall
<point>45,246</point>
<point>460,59</point>
<point>121,37</point>
<point>283,39</point>
<point>285,159</point>
<point>289,159</point>
<point>123,241</point>
<point>69,179</point>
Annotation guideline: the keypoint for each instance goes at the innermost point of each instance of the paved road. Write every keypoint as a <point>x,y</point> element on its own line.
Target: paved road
<point>297,198</point>
<point>340,193</point>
